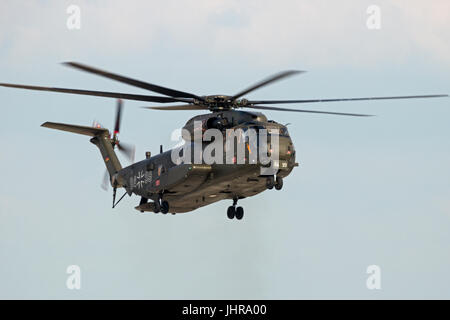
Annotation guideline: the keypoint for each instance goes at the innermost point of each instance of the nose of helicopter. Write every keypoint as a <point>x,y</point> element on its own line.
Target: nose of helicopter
<point>286,149</point>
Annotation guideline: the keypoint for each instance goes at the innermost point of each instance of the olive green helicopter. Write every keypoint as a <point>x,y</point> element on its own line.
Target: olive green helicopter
<point>174,187</point>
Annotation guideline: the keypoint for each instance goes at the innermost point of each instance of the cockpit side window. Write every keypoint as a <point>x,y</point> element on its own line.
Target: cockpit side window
<point>281,131</point>
<point>284,131</point>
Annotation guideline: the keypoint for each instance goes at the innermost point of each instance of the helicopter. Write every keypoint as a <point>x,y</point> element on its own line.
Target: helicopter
<point>169,186</point>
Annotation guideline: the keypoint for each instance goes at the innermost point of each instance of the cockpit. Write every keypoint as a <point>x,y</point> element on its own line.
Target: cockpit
<point>271,129</point>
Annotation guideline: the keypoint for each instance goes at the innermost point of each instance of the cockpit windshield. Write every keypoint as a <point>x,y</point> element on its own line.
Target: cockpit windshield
<point>282,131</point>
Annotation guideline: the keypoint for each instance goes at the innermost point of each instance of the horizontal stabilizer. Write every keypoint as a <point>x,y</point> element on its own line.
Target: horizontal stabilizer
<point>89,131</point>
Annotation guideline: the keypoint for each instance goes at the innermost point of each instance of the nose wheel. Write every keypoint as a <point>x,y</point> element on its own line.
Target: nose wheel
<point>279,183</point>
<point>271,182</point>
<point>235,212</point>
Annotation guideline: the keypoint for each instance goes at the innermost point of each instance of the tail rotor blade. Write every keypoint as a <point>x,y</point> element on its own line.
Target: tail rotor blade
<point>96,124</point>
<point>105,183</point>
<point>118,117</point>
<point>128,150</point>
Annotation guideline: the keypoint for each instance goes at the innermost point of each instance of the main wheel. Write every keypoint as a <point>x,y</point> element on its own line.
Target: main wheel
<point>270,182</point>
<point>279,183</point>
<point>164,207</point>
<point>239,213</point>
<point>156,207</point>
<point>231,212</point>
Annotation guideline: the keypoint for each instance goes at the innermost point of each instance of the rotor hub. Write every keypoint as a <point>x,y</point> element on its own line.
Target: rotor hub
<point>221,102</point>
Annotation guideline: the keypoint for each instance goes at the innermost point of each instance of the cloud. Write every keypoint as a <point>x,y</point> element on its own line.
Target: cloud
<point>316,33</point>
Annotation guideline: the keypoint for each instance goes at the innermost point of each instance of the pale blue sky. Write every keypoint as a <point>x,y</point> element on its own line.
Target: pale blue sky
<point>368,191</point>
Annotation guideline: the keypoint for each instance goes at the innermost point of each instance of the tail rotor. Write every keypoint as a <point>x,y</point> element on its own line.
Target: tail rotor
<point>128,150</point>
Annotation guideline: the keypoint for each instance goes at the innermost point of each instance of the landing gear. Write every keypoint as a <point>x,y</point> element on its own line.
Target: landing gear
<point>156,207</point>
<point>239,213</point>
<point>233,212</point>
<point>160,205</point>
<point>279,183</point>
<point>164,207</point>
<point>270,182</point>
<point>143,201</point>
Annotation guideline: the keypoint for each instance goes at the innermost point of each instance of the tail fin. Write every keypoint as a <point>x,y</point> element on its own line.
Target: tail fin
<point>100,138</point>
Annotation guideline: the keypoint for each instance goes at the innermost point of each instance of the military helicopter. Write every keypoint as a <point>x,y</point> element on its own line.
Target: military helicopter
<point>183,187</point>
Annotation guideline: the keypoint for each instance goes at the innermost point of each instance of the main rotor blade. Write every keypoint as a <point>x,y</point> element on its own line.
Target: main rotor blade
<point>119,95</point>
<point>179,107</point>
<point>345,99</point>
<point>267,81</point>
<point>137,83</point>
<point>310,111</point>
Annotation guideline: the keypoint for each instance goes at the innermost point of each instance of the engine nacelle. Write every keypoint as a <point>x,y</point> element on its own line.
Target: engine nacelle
<point>192,133</point>
<point>218,120</point>
<point>216,123</point>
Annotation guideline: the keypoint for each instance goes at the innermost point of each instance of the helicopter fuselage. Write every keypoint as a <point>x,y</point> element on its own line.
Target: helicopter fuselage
<point>188,186</point>
<point>184,186</point>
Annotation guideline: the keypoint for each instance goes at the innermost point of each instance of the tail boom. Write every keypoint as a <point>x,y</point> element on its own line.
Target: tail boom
<point>100,137</point>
